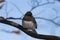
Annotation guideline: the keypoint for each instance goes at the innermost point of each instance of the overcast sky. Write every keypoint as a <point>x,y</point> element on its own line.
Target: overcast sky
<point>48,24</point>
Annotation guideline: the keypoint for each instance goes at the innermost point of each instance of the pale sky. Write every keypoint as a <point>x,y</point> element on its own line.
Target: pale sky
<point>48,24</point>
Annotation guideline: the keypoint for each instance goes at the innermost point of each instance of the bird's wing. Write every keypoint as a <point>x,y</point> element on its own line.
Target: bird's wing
<point>35,22</point>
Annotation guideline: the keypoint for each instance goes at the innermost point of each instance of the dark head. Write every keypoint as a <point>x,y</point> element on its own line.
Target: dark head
<point>29,13</point>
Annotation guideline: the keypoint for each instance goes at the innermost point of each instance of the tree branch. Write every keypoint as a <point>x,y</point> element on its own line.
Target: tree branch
<point>38,36</point>
<point>38,18</point>
<point>36,1</point>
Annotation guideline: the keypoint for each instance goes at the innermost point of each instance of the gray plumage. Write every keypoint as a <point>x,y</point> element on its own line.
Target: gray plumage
<point>29,22</point>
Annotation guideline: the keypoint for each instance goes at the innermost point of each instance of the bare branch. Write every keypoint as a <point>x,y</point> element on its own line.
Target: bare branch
<point>37,4</point>
<point>39,36</point>
<point>58,0</point>
<point>2,1</point>
<point>13,31</point>
<point>14,18</point>
<point>38,18</point>
<point>48,20</point>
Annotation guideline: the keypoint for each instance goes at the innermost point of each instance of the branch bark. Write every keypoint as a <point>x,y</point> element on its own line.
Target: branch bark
<point>38,36</point>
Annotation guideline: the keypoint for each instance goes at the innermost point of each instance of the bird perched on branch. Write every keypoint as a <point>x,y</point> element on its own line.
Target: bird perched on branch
<point>29,22</point>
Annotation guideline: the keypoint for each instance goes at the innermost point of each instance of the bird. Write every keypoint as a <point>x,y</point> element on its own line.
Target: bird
<point>29,22</point>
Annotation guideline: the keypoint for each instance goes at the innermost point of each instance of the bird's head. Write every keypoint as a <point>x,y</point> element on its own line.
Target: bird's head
<point>29,13</point>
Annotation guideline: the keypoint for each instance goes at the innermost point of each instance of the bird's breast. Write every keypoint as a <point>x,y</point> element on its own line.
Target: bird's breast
<point>29,24</point>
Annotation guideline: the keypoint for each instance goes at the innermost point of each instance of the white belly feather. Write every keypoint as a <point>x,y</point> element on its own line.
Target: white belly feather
<point>29,25</point>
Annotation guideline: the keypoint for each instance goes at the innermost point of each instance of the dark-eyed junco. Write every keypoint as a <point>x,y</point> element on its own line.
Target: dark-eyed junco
<point>29,22</point>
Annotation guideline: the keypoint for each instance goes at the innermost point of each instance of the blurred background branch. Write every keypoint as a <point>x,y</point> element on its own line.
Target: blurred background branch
<point>13,31</point>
